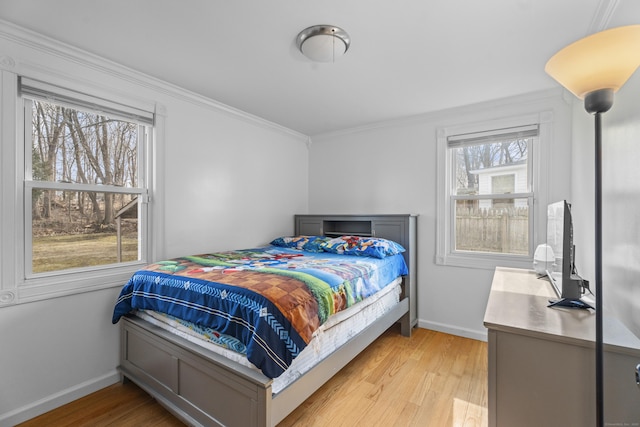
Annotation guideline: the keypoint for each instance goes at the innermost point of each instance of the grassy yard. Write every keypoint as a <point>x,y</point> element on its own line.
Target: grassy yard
<point>51,253</point>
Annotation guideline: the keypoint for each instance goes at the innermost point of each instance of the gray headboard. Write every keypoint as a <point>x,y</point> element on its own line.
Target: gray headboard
<point>400,228</point>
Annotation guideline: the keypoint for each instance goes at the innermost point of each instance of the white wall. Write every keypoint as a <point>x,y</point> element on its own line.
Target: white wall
<point>229,180</point>
<point>239,183</point>
<point>621,201</point>
<point>55,351</point>
<point>391,168</point>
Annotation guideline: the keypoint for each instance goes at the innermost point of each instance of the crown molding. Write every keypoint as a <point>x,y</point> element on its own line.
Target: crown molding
<point>440,115</point>
<point>602,16</point>
<point>38,42</point>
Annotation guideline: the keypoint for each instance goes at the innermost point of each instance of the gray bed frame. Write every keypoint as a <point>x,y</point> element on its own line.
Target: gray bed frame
<point>203,388</point>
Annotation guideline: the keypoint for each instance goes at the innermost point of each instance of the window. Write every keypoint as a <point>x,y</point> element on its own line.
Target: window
<point>486,194</point>
<point>85,187</point>
<point>84,180</point>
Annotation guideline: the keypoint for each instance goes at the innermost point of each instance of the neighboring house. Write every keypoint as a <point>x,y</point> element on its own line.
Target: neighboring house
<point>503,179</point>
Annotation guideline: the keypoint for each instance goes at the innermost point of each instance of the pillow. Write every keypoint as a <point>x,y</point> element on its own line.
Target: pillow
<point>362,246</point>
<point>303,243</point>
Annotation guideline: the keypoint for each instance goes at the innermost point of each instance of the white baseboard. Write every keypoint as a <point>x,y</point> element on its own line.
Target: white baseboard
<point>58,399</point>
<point>454,330</point>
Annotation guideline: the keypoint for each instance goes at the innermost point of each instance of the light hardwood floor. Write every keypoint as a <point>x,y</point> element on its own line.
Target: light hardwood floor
<point>430,379</point>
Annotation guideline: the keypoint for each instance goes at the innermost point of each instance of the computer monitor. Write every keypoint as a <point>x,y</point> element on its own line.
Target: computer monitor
<point>569,286</point>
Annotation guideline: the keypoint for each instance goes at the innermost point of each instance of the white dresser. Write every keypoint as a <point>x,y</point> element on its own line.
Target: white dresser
<point>542,360</point>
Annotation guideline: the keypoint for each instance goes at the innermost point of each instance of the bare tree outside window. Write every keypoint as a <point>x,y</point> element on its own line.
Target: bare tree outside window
<point>73,153</point>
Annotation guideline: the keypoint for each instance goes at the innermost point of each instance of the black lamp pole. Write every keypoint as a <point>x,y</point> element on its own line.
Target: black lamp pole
<point>598,102</point>
<point>598,242</point>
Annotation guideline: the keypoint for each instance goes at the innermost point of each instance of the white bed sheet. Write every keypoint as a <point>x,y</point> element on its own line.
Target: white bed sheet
<point>336,331</point>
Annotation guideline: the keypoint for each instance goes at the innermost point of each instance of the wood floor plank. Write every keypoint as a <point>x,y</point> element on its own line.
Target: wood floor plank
<point>122,405</point>
<point>430,379</point>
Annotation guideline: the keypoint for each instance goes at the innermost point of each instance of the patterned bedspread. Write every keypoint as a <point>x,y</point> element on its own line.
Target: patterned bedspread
<point>271,298</point>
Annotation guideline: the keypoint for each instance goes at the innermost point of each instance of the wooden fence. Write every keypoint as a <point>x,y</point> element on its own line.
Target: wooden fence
<point>493,230</point>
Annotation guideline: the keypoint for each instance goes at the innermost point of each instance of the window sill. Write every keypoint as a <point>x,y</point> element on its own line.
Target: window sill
<point>62,285</point>
<point>485,262</point>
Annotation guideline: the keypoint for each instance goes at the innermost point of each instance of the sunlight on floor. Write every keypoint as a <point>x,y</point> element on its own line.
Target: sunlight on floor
<point>467,414</point>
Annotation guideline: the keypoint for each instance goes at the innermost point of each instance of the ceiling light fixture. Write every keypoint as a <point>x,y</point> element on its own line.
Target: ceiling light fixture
<point>323,43</point>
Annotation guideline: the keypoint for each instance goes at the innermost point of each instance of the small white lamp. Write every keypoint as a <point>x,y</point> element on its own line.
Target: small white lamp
<point>543,259</point>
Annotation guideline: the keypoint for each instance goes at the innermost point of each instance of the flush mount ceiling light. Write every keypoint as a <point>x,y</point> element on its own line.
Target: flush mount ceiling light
<point>323,43</point>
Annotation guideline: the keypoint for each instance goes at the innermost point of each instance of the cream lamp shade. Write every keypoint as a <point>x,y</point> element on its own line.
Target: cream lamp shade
<point>323,43</point>
<point>603,60</point>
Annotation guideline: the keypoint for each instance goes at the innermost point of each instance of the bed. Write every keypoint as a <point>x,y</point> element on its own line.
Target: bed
<point>202,384</point>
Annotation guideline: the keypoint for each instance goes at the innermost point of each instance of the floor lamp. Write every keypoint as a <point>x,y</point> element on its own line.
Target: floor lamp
<point>593,69</point>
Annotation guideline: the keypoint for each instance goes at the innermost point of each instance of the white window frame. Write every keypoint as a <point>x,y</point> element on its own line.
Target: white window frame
<point>17,284</point>
<point>538,168</point>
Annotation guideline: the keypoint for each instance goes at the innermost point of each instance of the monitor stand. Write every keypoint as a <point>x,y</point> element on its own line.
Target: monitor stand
<point>569,303</point>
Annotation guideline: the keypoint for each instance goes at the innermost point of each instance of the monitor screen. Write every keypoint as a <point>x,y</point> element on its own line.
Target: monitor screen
<point>555,238</point>
<point>563,275</point>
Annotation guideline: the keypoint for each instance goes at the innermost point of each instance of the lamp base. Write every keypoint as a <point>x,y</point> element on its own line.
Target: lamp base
<point>598,101</point>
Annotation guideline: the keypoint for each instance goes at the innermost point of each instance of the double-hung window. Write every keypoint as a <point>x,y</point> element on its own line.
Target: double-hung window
<point>85,189</point>
<point>487,189</point>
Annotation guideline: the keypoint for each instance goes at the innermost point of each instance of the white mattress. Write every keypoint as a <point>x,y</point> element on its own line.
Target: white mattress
<point>337,330</point>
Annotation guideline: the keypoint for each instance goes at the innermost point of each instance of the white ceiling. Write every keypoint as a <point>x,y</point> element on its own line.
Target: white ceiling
<point>407,57</point>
